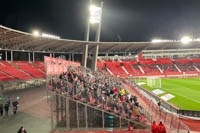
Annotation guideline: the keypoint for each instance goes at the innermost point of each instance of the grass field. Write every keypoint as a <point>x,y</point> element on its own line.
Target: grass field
<point>185,90</point>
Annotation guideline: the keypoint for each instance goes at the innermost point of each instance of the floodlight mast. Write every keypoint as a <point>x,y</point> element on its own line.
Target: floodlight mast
<point>98,35</point>
<point>87,38</point>
<point>95,17</point>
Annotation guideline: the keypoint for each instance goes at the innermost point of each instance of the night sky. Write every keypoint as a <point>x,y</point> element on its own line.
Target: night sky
<point>123,20</point>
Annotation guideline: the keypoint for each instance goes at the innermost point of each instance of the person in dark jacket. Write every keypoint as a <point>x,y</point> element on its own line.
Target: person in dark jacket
<point>22,130</point>
<point>6,107</point>
<point>15,104</point>
<point>1,110</point>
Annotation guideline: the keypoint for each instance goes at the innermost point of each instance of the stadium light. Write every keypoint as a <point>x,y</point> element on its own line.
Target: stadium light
<point>50,36</point>
<point>36,33</point>
<point>156,41</point>
<point>95,14</point>
<point>159,41</point>
<point>186,40</point>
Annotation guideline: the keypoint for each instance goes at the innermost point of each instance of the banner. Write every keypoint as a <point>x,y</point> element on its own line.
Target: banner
<point>58,66</point>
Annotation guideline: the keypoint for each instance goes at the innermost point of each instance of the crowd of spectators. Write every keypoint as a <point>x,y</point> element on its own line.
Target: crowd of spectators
<point>168,67</point>
<point>197,64</point>
<point>150,68</point>
<point>186,67</point>
<point>98,89</point>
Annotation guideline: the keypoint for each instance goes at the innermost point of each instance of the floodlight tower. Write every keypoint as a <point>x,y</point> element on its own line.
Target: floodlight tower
<point>95,17</point>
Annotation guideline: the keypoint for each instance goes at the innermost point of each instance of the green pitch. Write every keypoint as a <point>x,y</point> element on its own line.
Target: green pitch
<point>185,90</point>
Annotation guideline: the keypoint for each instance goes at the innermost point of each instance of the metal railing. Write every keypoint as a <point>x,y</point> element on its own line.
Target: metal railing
<point>170,119</point>
<point>70,113</point>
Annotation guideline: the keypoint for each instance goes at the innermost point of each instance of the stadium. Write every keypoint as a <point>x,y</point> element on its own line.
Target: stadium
<point>71,86</point>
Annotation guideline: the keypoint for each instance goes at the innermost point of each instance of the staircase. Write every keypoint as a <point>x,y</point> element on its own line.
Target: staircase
<point>107,69</point>
<point>178,68</point>
<point>141,69</point>
<point>36,67</point>
<point>159,69</point>
<point>196,68</point>
<point>125,70</point>
<point>14,65</point>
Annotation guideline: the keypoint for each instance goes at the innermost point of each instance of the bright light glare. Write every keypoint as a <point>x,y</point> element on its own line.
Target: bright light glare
<point>186,40</point>
<point>95,14</point>
<point>36,33</point>
<point>50,36</point>
<point>198,39</point>
<point>156,40</point>
<point>159,40</point>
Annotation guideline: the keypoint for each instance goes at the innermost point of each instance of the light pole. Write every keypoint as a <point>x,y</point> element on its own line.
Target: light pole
<point>98,35</point>
<point>95,17</point>
<point>87,38</point>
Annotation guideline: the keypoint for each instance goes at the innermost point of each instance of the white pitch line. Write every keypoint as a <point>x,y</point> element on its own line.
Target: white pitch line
<point>184,96</point>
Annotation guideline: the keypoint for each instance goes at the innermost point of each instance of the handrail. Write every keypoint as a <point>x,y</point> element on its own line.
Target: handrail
<point>67,97</point>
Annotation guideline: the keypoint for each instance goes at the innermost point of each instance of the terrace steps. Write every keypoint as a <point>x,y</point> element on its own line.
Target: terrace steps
<point>14,65</point>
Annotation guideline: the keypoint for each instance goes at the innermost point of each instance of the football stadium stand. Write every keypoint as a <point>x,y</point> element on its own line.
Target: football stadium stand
<point>20,70</point>
<point>100,90</point>
<point>149,67</point>
<point>97,90</point>
<point>27,67</point>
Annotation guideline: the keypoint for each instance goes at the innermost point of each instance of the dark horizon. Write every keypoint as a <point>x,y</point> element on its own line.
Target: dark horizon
<point>123,20</point>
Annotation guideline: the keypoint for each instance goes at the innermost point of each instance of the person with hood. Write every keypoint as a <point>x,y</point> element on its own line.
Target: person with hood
<point>154,128</point>
<point>161,128</point>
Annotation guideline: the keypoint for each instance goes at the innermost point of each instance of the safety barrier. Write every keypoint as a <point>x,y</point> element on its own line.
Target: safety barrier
<point>171,120</point>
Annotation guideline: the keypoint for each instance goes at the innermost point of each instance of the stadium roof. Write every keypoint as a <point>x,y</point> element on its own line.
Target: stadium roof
<point>17,40</point>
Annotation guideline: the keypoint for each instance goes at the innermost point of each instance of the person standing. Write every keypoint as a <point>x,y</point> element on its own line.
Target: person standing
<point>161,128</point>
<point>8,101</point>
<point>159,103</point>
<point>154,128</point>
<point>15,104</point>
<point>1,110</point>
<point>6,107</point>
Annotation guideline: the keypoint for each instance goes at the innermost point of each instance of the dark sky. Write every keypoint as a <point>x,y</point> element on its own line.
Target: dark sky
<point>123,20</point>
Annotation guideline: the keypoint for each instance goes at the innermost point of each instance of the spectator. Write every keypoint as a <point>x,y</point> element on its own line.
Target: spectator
<point>1,110</point>
<point>8,101</point>
<point>6,107</point>
<point>14,110</point>
<point>22,130</point>
<point>130,128</point>
<point>15,105</point>
<point>159,102</point>
<point>161,128</point>
<point>97,89</point>
<point>154,128</point>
